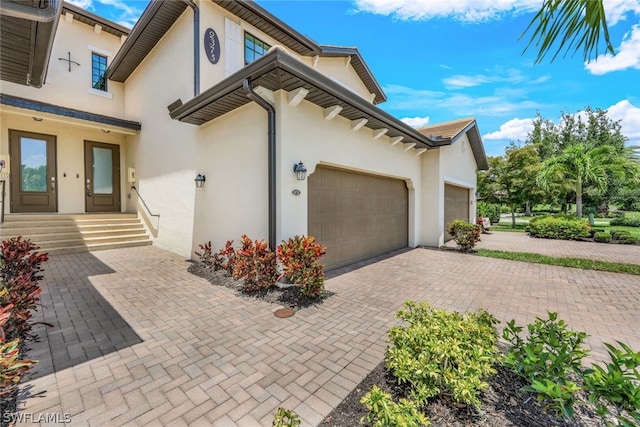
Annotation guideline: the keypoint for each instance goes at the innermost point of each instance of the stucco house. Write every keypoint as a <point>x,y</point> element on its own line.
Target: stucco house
<point>203,110</point>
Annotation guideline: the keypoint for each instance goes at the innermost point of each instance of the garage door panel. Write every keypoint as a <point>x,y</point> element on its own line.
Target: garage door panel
<point>456,205</point>
<point>356,215</point>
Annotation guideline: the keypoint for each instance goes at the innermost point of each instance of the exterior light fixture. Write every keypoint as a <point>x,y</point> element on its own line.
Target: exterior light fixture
<point>105,130</point>
<point>300,170</point>
<point>200,179</point>
<point>37,119</point>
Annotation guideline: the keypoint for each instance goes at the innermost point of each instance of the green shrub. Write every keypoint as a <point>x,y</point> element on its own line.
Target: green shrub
<point>442,352</point>
<point>627,240</point>
<point>505,209</point>
<point>464,234</point>
<point>547,358</point>
<point>300,256</point>
<point>593,231</point>
<point>286,418</point>
<point>625,222</point>
<point>617,234</point>
<point>602,237</point>
<point>563,227</point>
<point>489,210</point>
<point>384,412</point>
<point>617,384</point>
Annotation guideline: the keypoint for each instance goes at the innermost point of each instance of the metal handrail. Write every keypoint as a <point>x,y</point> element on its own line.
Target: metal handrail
<point>133,187</point>
<point>2,200</point>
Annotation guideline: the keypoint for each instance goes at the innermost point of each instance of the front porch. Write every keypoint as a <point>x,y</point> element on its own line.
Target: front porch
<point>71,233</point>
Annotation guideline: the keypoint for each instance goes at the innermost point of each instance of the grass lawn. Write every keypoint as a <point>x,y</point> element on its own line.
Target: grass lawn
<point>585,264</point>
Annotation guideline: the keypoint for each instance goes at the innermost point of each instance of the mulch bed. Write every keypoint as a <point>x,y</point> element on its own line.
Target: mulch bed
<point>503,404</point>
<point>285,296</point>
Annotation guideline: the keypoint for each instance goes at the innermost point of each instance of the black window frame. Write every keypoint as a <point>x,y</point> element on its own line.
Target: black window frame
<point>254,48</point>
<point>98,70</point>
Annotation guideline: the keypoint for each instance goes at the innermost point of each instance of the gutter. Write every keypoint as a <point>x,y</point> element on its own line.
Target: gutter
<point>196,46</point>
<point>30,13</point>
<point>271,138</point>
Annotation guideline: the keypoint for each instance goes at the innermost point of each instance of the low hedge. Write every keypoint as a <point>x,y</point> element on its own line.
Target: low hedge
<point>628,240</point>
<point>625,222</point>
<point>564,227</point>
<point>617,234</point>
<point>602,237</point>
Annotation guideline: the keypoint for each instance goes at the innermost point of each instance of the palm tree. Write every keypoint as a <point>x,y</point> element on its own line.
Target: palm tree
<point>586,169</point>
<point>574,24</point>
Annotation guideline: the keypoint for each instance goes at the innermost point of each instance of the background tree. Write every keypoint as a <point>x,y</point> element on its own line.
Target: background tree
<point>517,178</point>
<point>587,169</point>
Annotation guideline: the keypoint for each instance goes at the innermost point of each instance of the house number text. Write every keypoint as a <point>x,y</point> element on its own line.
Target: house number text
<point>212,45</point>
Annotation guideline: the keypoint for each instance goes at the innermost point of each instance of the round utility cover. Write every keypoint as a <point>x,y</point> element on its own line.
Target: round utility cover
<point>284,312</point>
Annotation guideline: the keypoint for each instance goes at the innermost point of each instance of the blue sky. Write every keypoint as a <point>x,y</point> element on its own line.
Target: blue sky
<point>441,60</point>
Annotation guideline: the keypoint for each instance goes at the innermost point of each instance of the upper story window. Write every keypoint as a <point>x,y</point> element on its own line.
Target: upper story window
<point>254,48</point>
<point>98,69</point>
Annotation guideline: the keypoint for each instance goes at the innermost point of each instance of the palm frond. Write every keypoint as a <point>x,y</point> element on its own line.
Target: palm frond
<point>571,25</point>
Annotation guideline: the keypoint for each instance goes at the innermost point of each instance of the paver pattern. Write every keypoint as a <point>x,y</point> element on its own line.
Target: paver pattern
<point>208,357</point>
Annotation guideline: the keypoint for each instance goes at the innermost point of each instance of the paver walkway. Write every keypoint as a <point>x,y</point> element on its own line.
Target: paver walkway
<point>521,242</point>
<point>209,357</point>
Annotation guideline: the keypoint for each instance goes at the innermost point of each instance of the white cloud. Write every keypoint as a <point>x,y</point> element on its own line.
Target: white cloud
<point>629,117</point>
<point>500,103</point>
<point>416,122</point>
<point>626,113</point>
<point>495,75</point>
<point>120,11</point>
<point>513,130</point>
<point>84,4</point>
<point>627,56</point>
<point>617,10</point>
<point>461,10</point>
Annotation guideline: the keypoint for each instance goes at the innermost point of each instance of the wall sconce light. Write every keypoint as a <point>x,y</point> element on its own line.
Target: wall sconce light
<point>37,119</point>
<point>200,179</point>
<point>105,130</point>
<point>300,170</point>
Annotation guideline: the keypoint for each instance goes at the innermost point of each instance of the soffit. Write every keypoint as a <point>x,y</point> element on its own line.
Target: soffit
<point>91,19</point>
<point>278,70</point>
<point>455,129</point>
<point>56,110</point>
<point>25,46</point>
<point>360,67</point>
<point>255,15</point>
<point>155,21</point>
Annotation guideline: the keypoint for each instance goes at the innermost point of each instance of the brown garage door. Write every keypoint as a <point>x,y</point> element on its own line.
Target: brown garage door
<point>456,206</point>
<point>355,215</point>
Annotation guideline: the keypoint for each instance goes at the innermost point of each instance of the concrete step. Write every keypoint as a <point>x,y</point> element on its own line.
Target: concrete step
<point>59,217</point>
<point>39,235</point>
<point>46,244</point>
<point>68,233</point>
<point>32,231</point>
<point>96,247</point>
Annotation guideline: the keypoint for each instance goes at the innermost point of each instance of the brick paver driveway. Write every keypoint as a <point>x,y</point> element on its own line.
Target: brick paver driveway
<point>189,353</point>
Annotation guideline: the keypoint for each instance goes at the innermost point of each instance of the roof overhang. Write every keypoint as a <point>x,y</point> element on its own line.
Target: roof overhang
<point>160,15</point>
<point>278,70</point>
<point>475,140</point>
<point>92,20</point>
<point>358,64</point>
<point>154,22</point>
<point>260,18</point>
<point>30,107</point>
<point>27,30</point>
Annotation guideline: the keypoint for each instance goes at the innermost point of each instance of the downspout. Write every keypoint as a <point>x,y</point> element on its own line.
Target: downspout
<point>271,138</point>
<point>196,46</point>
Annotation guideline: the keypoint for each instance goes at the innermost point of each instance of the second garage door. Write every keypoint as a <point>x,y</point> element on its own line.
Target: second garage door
<point>456,206</point>
<point>356,215</point>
